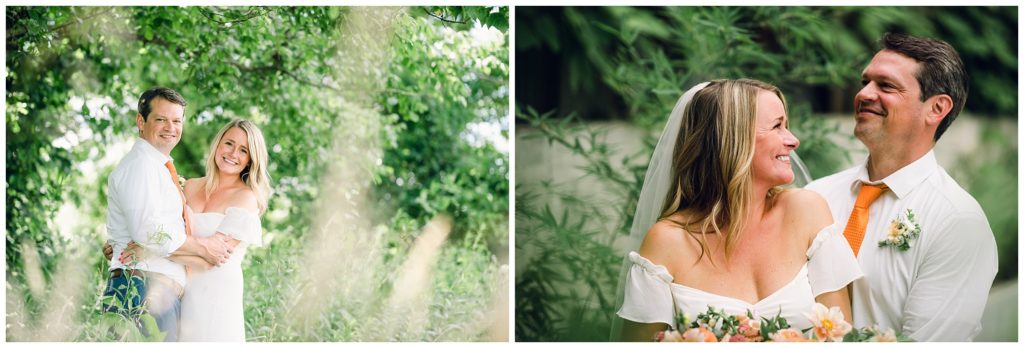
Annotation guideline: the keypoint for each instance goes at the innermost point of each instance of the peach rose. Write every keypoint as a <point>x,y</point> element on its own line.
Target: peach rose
<point>700,334</point>
<point>788,335</point>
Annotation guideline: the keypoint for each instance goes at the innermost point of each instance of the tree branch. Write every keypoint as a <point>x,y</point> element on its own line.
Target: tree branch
<point>250,14</point>
<point>14,35</point>
<point>276,67</point>
<point>442,18</point>
<point>310,83</point>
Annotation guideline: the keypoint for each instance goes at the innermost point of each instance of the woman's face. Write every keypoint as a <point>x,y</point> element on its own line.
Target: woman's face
<point>233,152</point>
<point>773,142</point>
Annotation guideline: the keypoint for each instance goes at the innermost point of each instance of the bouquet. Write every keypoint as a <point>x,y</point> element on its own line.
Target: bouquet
<point>828,326</point>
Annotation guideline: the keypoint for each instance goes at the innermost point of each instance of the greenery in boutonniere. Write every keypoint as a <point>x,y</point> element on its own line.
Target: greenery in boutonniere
<point>902,232</point>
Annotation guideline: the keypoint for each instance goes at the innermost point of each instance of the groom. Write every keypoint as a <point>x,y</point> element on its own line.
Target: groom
<point>932,286</point>
<point>145,205</point>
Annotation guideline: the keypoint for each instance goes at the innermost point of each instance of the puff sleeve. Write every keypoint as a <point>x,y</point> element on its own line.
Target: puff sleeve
<point>830,261</point>
<point>648,293</point>
<point>242,225</point>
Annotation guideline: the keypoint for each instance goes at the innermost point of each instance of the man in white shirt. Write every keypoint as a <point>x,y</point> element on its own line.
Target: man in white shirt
<point>145,205</point>
<point>932,286</point>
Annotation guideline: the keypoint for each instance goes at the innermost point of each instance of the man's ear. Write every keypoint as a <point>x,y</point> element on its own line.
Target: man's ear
<point>939,107</point>
<point>138,123</point>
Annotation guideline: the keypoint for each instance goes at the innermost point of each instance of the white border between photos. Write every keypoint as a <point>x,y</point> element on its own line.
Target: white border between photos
<point>511,174</point>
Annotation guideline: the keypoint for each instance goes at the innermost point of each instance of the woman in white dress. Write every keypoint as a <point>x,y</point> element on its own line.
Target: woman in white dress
<point>228,201</point>
<point>716,227</point>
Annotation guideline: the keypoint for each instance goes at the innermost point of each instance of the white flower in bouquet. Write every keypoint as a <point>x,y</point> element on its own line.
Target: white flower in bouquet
<point>829,325</point>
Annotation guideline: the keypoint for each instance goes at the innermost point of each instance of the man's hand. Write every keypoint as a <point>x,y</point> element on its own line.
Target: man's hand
<point>108,250</point>
<point>223,237</point>
<point>215,250</point>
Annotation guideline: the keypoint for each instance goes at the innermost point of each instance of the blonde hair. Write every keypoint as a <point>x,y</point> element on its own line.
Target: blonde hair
<point>255,174</point>
<point>712,179</point>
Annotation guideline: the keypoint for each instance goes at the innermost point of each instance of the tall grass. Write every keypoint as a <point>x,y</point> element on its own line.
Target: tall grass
<point>459,296</point>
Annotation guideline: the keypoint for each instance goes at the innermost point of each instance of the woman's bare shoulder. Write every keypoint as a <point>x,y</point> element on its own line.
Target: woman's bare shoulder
<point>805,208</point>
<point>244,197</point>
<point>194,185</point>
<point>665,243</point>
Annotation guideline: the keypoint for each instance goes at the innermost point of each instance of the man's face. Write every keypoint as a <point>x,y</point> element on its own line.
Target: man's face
<point>163,127</point>
<point>889,107</point>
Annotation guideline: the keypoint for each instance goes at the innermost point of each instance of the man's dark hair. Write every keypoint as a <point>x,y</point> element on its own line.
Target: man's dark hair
<point>941,72</point>
<point>168,94</point>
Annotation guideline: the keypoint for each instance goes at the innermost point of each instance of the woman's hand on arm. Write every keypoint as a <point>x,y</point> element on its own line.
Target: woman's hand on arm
<point>228,239</point>
<point>131,253</point>
<point>212,249</point>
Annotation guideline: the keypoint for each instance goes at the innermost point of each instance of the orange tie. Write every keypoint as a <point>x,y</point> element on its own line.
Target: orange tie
<point>854,232</point>
<point>184,209</point>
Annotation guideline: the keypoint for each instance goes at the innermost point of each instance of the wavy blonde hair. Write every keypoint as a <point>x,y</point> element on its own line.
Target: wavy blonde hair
<point>255,174</point>
<point>712,179</point>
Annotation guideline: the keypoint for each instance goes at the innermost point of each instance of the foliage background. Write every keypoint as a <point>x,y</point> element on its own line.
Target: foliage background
<point>577,66</point>
<point>378,120</point>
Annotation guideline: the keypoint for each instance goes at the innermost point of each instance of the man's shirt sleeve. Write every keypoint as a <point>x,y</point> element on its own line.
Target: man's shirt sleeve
<point>147,214</point>
<point>947,300</point>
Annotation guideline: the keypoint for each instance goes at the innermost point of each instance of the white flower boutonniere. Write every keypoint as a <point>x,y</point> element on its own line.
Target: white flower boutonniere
<point>181,182</point>
<point>902,232</point>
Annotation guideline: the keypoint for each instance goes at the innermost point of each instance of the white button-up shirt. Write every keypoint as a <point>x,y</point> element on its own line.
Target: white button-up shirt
<point>936,290</point>
<point>144,205</point>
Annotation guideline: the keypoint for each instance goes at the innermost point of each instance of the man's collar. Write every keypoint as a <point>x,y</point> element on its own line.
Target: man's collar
<point>903,180</point>
<point>151,152</point>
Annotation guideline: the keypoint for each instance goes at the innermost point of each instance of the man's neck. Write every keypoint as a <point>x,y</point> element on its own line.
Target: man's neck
<point>167,153</point>
<point>881,164</point>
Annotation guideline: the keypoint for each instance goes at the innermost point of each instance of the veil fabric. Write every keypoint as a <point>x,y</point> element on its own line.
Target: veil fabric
<point>656,186</point>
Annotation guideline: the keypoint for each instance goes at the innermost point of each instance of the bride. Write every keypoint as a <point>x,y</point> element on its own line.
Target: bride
<point>229,201</point>
<point>716,227</point>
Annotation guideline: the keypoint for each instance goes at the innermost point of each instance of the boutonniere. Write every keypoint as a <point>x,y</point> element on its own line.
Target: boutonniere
<point>902,232</point>
<point>181,182</point>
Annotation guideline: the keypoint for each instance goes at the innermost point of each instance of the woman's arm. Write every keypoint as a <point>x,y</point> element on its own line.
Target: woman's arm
<point>660,246</point>
<point>641,332</point>
<point>197,263</point>
<point>839,298</point>
<point>814,215</point>
<point>135,252</point>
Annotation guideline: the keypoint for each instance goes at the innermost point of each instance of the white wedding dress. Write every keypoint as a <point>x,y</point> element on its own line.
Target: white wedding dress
<point>651,296</point>
<point>211,309</point>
